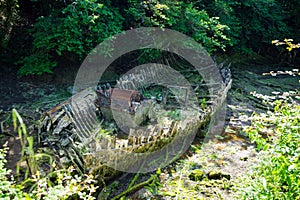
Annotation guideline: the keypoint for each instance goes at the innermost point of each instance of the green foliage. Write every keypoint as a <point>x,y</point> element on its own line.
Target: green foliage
<point>154,92</point>
<point>37,63</point>
<point>253,23</point>
<point>154,186</point>
<point>205,30</point>
<point>8,189</point>
<point>68,30</point>
<point>70,33</point>
<point>174,115</point>
<point>291,9</point>
<point>278,135</point>
<point>181,16</point>
<point>203,103</point>
<point>57,184</point>
<point>28,154</point>
<point>62,184</point>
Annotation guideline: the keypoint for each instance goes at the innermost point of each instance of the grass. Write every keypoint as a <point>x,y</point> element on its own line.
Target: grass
<point>56,184</point>
<point>277,136</point>
<point>28,154</point>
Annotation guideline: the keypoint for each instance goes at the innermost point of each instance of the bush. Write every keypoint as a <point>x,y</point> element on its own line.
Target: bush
<point>253,23</point>
<point>277,134</point>
<point>70,33</point>
<point>8,189</point>
<point>183,17</point>
<point>57,184</point>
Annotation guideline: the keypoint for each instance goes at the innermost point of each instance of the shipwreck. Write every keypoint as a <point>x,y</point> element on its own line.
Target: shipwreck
<point>107,129</point>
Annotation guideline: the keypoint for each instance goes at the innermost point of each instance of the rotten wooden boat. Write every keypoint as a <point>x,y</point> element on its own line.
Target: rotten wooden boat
<point>103,130</point>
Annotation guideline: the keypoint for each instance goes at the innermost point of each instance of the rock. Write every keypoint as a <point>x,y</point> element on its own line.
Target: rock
<point>217,175</point>
<point>197,175</point>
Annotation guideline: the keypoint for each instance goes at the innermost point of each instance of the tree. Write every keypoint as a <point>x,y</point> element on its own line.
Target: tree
<point>253,23</point>
<point>71,32</point>
<point>75,29</point>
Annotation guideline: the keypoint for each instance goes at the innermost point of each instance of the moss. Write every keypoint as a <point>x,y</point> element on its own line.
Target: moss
<point>197,175</point>
<point>217,175</point>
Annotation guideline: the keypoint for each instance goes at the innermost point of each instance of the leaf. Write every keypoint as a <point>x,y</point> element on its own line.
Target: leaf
<point>58,52</point>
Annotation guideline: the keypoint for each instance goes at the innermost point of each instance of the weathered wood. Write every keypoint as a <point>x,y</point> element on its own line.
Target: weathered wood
<point>76,126</point>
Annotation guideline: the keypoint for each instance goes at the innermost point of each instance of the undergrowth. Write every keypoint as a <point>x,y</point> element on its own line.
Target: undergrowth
<point>277,136</point>
<point>36,184</point>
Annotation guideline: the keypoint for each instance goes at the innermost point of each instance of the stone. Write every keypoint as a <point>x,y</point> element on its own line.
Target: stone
<point>217,175</point>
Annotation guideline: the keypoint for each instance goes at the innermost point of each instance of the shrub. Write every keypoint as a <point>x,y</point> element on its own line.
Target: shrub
<point>277,134</point>
<point>8,189</point>
<point>253,23</point>
<point>183,17</point>
<point>73,31</point>
<point>70,33</point>
<point>57,184</point>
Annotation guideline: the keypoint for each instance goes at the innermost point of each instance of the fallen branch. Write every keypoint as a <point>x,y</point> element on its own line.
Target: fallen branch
<point>135,188</point>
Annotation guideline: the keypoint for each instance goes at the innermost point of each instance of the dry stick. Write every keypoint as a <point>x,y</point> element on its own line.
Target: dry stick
<point>134,188</point>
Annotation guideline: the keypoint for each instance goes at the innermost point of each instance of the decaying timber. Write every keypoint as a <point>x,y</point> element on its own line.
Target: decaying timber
<point>82,130</point>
